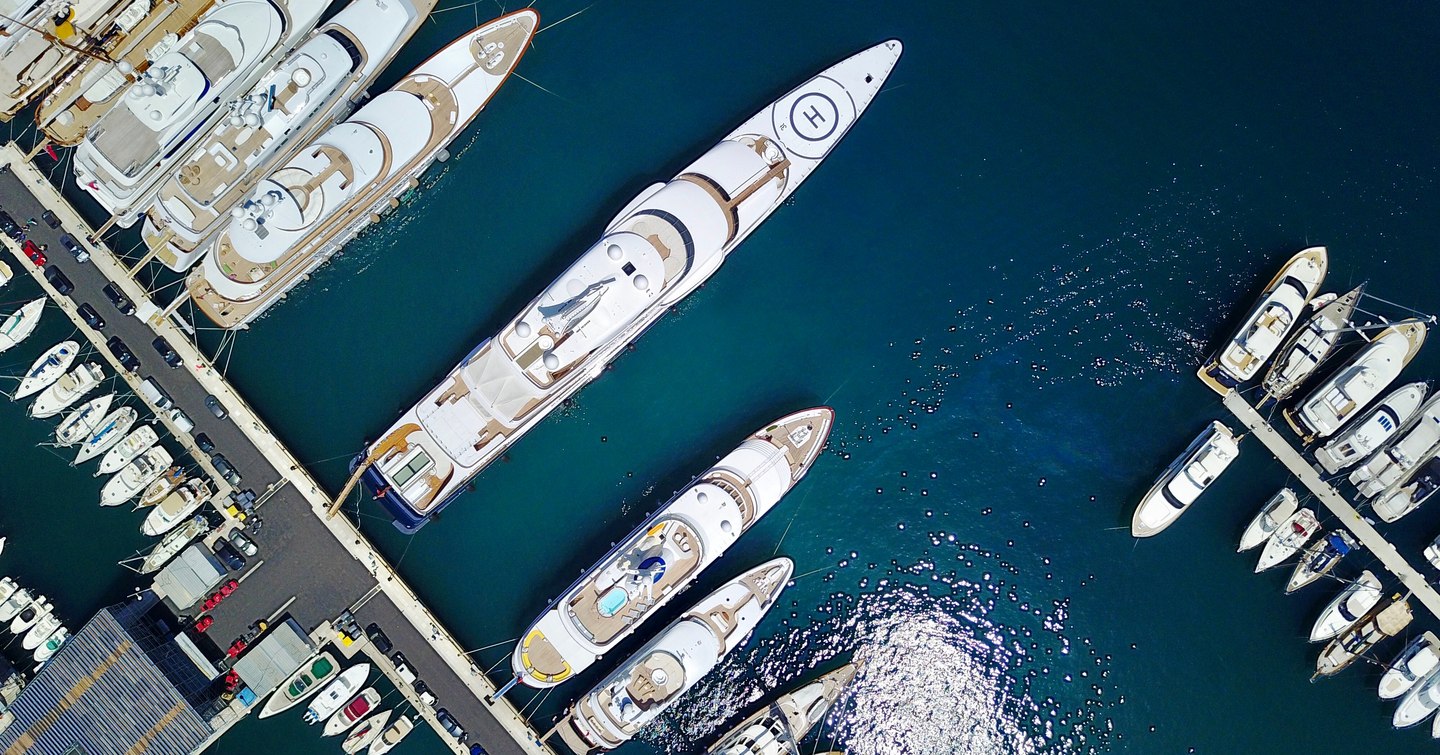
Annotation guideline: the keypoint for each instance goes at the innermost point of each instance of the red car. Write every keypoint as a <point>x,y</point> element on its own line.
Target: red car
<point>34,253</point>
<point>204,623</point>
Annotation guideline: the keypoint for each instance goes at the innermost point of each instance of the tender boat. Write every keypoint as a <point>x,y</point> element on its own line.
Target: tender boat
<point>18,600</point>
<point>1355,385</point>
<point>71,387</point>
<point>663,555</point>
<point>178,506</point>
<point>392,735</point>
<point>337,693</point>
<point>651,680</point>
<point>1311,345</point>
<point>1272,516</point>
<point>109,432</point>
<point>47,369</point>
<point>312,205</point>
<point>1320,558</point>
<point>661,246</point>
<point>156,491</point>
<point>1414,489</point>
<point>777,728</point>
<point>1353,602</point>
<point>1387,619</point>
<point>128,482</point>
<point>1373,430</point>
<point>1419,702</point>
<point>42,630</point>
<point>1185,479</point>
<point>21,323</point>
<point>1291,537</point>
<point>306,681</point>
<point>312,88</point>
<point>1268,323</point>
<point>52,645</point>
<point>1413,663</point>
<point>366,731</point>
<point>174,541</point>
<point>1411,448</point>
<point>82,422</point>
<point>137,442</point>
<point>29,615</point>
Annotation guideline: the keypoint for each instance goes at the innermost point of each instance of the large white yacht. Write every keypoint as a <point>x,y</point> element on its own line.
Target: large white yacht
<point>777,728</point>
<point>1354,601</point>
<point>315,85</point>
<point>1355,385</point>
<point>50,39</point>
<point>652,679</point>
<point>1412,447</point>
<point>1373,430</point>
<point>1268,323</point>
<point>1413,663</point>
<point>1311,345</point>
<point>304,212</point>
<point>1190,475</point>
<point>658,249</point>
<point>176,102</point>
<point>669,549</point>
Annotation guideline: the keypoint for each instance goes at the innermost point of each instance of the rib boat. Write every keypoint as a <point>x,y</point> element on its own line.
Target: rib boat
<point>392,735</point>
<point>337,693</point>
<point>1413,663</point>
<point>1373,430</point>
<point>128,482</point>
<point>1355,385</point>
<point>49,43</point>
<point>670,664</point>
<point>313,87</point>
<point>1311,345</point>
<point>174,541</point>
<point>1387,619</point>
<point>71,387</point>
<point>177,507</point>
<point>1320,558</point>
<point>1272,515</point>
<point>662,556</point>
<point>109,432</point>
<point>777,728</point>
<point>306,681</point>
<point>137,442</point>
<point>1414,489</point>
<point>51,646</point>
<point>365,732</point>
<point>358,707</point>
<point>21,323</point>
<point>1292,535</point>
<point>301,214</point>
<point>1353,602</point>
<point>47,369</point>
<point>78,425</point>
<point>1408,450</point>
<point>660,247</point>
<point>176,100</point>
<point>1185,479</point>
<point>1268,323</point>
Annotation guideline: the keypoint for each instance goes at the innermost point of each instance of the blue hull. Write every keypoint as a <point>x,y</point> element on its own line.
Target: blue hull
<point>405,518</point>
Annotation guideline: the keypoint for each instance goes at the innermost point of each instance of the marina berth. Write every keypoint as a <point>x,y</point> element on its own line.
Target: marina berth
<point>78,425</point>
<point>1272,516</point>
<point>1355,385</point>
<point>137,442</point>
<point>20,324</point>
<point>49,40</point>
<point>1320,558</point>
<point>337,693</point>
<point>1209,455</point>
<point>175,101</point>
<point>1268,324</point>
<point>128,482</point>
<point>1373,430</point>
<point>1353,602</point>
<point>1311,344</point>
<point>1414,489</point>
<point>656,676</point>
<point>71,387</point>
<point>659,248</point>
<point>777,728</point>
<point>174,541</point>
<point>47,369</point>
<point>1419,702</point>
<point>110,431</point>
<point>303,212</point>
<point>313,87</point>
<point>1413,664</point>
<point>177,507</point>
<point>1387,619</point>
<point>1411,448</point>
<point>663,555</point>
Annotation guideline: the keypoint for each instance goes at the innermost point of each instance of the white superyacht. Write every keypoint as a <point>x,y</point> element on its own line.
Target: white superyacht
<point>1182,483</point>
<point>1363,436</point>
<point>305,211</point>
<point>662,556</point>
<point>315,85</point>
<point>1355,385</point>
<point>658,249</point>
<point>50,40</point>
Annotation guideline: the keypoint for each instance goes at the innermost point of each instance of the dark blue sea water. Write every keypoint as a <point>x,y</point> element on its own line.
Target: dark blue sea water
<point>1002,280</point>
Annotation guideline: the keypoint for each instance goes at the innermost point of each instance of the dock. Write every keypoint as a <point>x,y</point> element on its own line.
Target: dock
<point>1349,517</point>
<point>310,567</point>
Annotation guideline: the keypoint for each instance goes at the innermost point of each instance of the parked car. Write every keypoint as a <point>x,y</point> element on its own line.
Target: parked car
<point>450,725</point>
<point>378,638</point>
<point>402,667</point>
<point>476,749</point>
<point>213,404</point>
<point>167,352</point>
<point>120,301</point>
<point>74,248</point>
<point>225,468</point>
<point>182,421</point>
<point>50,218</point>
<point>227,554</point>
<point>57,279</point>
<point>123,354</point>
<point>91,317</point>
<point>203,442</point>
<point>10,227</point>
<point>243,544</point>
<point>423,692</point>
<point>34,253</point>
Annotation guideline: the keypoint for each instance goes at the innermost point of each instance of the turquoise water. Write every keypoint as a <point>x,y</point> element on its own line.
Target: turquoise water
<point>1002,281</point>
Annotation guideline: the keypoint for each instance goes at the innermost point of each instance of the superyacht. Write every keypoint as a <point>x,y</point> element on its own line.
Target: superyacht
<point>660,247</point>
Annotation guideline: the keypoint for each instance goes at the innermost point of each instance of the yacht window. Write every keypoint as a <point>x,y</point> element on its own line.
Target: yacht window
<point>404,474</point>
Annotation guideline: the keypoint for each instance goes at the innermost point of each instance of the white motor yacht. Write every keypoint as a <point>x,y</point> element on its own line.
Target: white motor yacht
<point>1417,704</point>
<point>47,369</point>
<point>78,425</point>
<point>1413,663</point>
<point>1272,515</point>
<point>657,675</point>
<point>1414,489</point>
<point>109,432</point>
<point>1355,385</point>
<point>1413,446</point>
<point>1353,602</point>
<point>1292,535</point>
<point>21,323</point>
<point>161,486</point>
<point>44,627</point>
<point>1373,430</point>
<point>315,85</point>
<point>334,695</point>
<point>13,605</point>
<point>349,714</point>
<point>1185,479</point>
<point>306,681</point>
<point>71,387</point>
<point>662,556</point>
<point>51,646</point>
<point>777,728</point>
<point>174,541</point>
<point>8,587</point>
<point>176,100</point>
<point>392,735</point>
<point>1268,324</point>
<point>1311,345</point>
<point>128,482</point>
<point>1320,558</point>
<point>661,246</point>
<point>1387,619</point>
<point>301,214</point>
<point>177,507</point>
<point>127,450</point>
<point>29,615</point>
<point>365,732</point>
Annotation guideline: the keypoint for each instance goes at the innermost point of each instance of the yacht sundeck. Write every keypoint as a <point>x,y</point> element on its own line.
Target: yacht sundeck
<point>1353,602</point>
<point>71,387</point>
<point>47,369</point>
<point>1320,558</point>
<point>777,728</point>
<point>21,323</point>
<point>1268,323</point>
<point>1311,345</point>
<point>1271,517</point>
<point>1292,535</point>
<point>1355,385</point>
<point>1185,479</point>
<point>1413,446</point>
<point>1373,430</point>
<point>1386,619</point>
<point>177,507</point>
<point>1413,663</point>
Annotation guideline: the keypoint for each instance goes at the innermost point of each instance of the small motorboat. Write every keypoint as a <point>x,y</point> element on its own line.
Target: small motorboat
<point>306,681</point>
<point>1353,602</point>
<point>1320,558</point>
<point>1417,704</point>
<point>179,505</point>
<point>392,735</point>
<point>51,645</point>
<point>366,732</point>
<point>21,323</point>
<point>6,274</point>
<point>13,605</point>
<point>42,630</point>
<point>1413,446</point>
<point>1413,663</point>
<point>47,369</point>
<point>1272,515</point>
<point>29,615</point>
<point>79,424</point>
<point>161,487</point>
<point>173,542</point>
<point>1185,479</point>
<point>8,587</point>
<point>137,442</point>
<point>128,482</point>
<point>1354,386</point>
<point>109,432</point>
<point>1311,345</point>
<point>1269,323</point>
<point>1414,489</point>
<point>357,708</point>
<point>71,387</point>
<point>335,694</point>
<point>1366,435</point>
<point>1387,619</point>
<point>1293,534</point>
